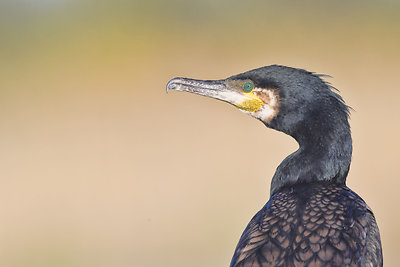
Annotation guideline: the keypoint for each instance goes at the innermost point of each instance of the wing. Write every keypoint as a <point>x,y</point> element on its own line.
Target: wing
<point>266,239</point>
<point>373,255</point>
<point>327,226</point>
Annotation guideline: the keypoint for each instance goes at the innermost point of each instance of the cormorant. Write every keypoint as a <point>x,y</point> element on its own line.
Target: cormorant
<point>312,218</point>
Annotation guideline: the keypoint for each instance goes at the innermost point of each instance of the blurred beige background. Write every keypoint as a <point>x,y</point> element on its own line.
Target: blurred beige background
<point>100,167</point>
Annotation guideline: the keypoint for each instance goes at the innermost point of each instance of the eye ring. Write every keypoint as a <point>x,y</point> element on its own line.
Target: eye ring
<point>248,87</point>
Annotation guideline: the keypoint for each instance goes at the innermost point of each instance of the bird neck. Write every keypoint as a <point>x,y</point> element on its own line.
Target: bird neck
<point>324,154</point>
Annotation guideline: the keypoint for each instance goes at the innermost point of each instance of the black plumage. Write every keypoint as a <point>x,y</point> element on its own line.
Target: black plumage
<point>316,224</point>
<point>312,218</point>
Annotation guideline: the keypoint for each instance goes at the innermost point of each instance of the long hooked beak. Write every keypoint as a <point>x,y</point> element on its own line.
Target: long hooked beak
<point>216,89</point>
<point>201,87</point>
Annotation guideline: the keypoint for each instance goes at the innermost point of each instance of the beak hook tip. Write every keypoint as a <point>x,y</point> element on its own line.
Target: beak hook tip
<point>171,86</point>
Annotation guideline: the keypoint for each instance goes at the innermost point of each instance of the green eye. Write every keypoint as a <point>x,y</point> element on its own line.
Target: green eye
<point>248,87</point>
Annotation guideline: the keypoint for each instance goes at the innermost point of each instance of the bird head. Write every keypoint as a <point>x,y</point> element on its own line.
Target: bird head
<point>287,99</point>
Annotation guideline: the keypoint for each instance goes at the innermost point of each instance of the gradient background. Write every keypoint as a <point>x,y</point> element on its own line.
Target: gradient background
<point>100,167</point>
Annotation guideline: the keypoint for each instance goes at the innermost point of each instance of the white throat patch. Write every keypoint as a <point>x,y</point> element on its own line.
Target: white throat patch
<point>270,108</point>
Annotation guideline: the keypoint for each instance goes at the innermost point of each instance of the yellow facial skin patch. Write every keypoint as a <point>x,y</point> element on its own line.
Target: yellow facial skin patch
<point>251,103</point>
